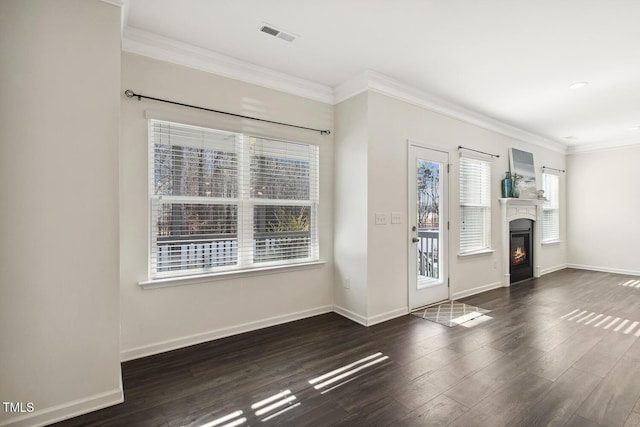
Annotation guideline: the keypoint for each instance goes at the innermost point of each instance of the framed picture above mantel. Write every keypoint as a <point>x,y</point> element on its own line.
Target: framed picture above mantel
<point>523,173</point>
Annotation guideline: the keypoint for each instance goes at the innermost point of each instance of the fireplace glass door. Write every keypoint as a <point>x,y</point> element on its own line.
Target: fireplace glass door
<point>521,250</point>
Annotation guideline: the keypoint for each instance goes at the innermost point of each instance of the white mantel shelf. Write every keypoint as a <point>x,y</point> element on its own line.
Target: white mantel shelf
<point>512,209</point>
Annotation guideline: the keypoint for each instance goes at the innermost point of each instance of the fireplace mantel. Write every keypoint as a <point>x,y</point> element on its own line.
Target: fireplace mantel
<point>510,210</point>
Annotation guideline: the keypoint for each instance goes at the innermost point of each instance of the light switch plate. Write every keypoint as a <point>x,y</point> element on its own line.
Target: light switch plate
<point>381,218</point>
<point>396,217</point>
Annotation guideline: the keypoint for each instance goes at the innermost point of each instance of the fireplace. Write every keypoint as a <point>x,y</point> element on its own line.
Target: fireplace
<point>520,250</point>
<point>520,238</point>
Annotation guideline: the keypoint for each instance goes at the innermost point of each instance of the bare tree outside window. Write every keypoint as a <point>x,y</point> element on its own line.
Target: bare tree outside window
<point>225,201</point>
<point>195,173</point>
<point>428,195</point>
<point>280,231</point>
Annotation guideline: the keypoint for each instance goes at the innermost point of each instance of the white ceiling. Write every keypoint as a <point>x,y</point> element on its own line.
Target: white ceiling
<point>512,61</point>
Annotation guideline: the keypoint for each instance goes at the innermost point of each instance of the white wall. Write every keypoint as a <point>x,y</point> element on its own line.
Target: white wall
<point>390,124</point>
<point>155,320</point>
<point>603,205</point>
<point>59,295</point>
<point>351,212</point>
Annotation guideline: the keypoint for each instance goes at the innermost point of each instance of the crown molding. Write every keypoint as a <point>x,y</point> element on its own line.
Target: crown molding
<point>118,3</point>
<point>352,87</point>
<point>603,146</point>
<point>155,46</point>
<point>145,43</point>
<point>370,80</point>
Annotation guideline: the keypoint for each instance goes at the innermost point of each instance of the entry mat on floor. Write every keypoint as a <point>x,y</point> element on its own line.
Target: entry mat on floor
<point>450,313</point>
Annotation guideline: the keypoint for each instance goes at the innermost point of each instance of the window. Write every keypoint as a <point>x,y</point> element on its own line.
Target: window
<point>224,201</point>
<point>551,208</point>
<point>475,205</point>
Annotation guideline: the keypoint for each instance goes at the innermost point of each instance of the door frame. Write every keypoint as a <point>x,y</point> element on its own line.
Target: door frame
<point>445,198</point>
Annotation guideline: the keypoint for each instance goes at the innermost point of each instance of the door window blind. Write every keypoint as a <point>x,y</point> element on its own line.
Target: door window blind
<point>551,207</point>
<point>475,205</point>
<point>224,201</point>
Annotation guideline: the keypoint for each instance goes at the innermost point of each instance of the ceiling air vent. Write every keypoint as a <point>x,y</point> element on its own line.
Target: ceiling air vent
<point>272,31</point>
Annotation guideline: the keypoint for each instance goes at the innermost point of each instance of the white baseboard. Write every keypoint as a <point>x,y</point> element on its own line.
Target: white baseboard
<point>370,321</point>
<point>161,347</point>
<point>47,416</point>
<point>350,315</point>
<point>476,290</point>
<point>552,269</point>
<point>379,318</point>
<point>605,269</point>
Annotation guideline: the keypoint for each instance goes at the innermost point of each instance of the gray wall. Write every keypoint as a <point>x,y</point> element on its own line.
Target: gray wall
<point>59,295</point>
<point>603,206</point>
<point>350,213</point>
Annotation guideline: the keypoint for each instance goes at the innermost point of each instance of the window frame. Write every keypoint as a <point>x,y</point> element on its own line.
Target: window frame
<point>245,203</point>
<point>484,189</point>
<point>550,206</point>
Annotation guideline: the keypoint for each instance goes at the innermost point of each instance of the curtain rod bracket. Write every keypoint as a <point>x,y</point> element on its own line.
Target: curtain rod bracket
<point>130,94</point>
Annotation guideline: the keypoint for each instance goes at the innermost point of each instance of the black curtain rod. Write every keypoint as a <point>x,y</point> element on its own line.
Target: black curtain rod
<point>130,94</point>
<point>460,147</point>
<point>554,169</point>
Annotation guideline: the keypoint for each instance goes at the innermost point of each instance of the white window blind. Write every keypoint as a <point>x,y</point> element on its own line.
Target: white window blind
<point>551,208</point>
<point>226,201</point>
<point>475,205</point>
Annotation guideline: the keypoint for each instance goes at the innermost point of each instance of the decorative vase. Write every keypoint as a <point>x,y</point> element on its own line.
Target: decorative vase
<point>507,185</point>
<point>515,192</point>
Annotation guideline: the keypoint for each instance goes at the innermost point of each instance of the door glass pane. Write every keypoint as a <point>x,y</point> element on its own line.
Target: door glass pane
<point>429,188</point>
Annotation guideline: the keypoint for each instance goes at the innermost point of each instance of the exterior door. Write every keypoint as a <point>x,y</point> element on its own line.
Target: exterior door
<point>428,224</point>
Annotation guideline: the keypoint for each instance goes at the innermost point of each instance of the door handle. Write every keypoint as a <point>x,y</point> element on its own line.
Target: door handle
<point>415,240</point>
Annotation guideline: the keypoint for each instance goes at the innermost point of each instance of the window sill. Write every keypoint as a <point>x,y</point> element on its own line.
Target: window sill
<point>481,252</point>
<point>551,242</point>
<point>225,275</point>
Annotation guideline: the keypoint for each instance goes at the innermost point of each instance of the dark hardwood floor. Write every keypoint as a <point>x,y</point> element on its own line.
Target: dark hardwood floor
<point>549,353</point>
